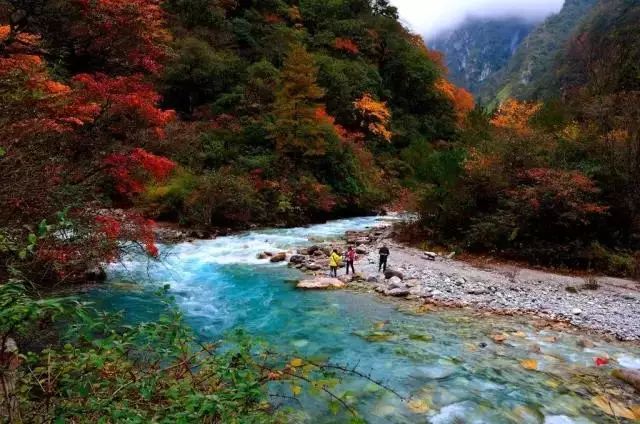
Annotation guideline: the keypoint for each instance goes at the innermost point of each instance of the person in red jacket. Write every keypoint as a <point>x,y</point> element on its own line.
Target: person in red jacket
<point>350,257</point>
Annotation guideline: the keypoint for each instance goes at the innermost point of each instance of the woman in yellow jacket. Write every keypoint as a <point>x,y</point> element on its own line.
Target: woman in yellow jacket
<point>334,263</point>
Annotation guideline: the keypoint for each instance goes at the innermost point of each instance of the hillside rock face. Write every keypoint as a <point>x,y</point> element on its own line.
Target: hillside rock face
<point>530,72</point>
<point>479,48</point>
<point>500,58</point>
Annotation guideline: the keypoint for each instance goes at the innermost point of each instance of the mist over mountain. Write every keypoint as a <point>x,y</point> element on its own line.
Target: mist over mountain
<point>433,18</point>
<point>480,47</point>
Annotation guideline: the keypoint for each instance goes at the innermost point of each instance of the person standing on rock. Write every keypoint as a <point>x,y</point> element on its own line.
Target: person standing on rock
<point>384,254</point>
<point>334,263</point>
<point>350,257</point>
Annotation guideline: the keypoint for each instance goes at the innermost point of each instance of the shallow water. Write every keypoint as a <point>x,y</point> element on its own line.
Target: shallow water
<point>445,362</point>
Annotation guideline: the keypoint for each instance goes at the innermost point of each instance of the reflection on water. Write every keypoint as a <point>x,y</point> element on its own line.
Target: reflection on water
<point>446,362</point>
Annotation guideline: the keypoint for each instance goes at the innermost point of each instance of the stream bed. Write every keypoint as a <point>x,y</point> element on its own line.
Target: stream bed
<point>446,362</point>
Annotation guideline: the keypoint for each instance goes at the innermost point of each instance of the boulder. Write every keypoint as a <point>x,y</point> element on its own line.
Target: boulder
<point>296,259</point>
<point>320,283</point>
<point>95,274</point>
<point>393,273</point>
<point>397,292</point>
<point>269,254</point>
<point>312,266</point>
<point>631,377</point>
<point>319,253</point>
<point>372,279</point>
<point>304,252</point>
<point>395,282</point>
<point>430,255</point>
<point>262,256</point>
<point>280,257</point>
<point>312,249</point>
<point>361,251</point>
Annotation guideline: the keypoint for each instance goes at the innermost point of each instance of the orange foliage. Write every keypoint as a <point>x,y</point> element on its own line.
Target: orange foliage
<point>515,115</point>
<point>346,45</point>
<point>376,116</point>
<point>462,100</point>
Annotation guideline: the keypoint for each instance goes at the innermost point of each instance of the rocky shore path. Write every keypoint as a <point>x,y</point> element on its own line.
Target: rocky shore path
<point>605,305</point>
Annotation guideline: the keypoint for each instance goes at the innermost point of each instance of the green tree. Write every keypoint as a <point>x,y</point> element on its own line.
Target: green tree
<point>296,129</point>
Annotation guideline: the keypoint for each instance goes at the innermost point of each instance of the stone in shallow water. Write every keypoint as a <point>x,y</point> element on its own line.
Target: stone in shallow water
<point>320,283</point>
<point>563,419</point>
<point>627,361</point>
<point>456,413</point>
<point>435,372</point>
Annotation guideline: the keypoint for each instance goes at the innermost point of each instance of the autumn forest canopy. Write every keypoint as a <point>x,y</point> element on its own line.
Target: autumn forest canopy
<point>223,113</point>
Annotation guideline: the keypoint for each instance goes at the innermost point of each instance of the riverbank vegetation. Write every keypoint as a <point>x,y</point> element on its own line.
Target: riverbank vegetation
<point>554,181</point>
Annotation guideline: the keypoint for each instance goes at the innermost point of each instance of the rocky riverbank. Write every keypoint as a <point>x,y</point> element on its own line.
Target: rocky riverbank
<point>606,305</point>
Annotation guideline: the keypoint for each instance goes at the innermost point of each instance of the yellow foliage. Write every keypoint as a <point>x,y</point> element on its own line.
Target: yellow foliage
<point>376,115</point>
<point>462,100</point>
<point>515,115</point>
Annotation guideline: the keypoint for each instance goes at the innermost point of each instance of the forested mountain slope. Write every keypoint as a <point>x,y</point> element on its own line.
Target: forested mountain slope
<point>479,48</point>
<point>530,72</point>
<point>209,113</point>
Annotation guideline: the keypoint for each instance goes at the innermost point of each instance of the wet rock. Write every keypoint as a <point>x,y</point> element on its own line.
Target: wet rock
<point>361,250</point>
<point>268,254</point>
<point>297,259</point>
<point>312,249</point>
<point>631,377</point>
<point>372,279</point>
<point>393,273</point>
<point>280,257</point>
<point>304,252</point>
<point>320,283</point>
<point>585,343</point>
<point>262,256</point>
<point>95,274</point>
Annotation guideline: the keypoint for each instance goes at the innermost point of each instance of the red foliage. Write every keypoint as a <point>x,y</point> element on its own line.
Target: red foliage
<point>600,362</point>
<point>127,102</point>
<point>564,193</point>
<point>346,45</point>
<point>128,34</point>
<point>130,171</point>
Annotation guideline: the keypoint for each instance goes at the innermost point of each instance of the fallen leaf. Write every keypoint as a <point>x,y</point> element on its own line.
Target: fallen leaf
<point>296,390</point>
<point>600,362</point>
<point>418,406</point>
<point>519,334</point>
<point>499,338</point>
<point>529,364</point>
<point>296,362</point>
<point>613,407</point>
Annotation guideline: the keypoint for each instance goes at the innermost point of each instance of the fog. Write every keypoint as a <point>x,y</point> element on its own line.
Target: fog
<point>430,17</point>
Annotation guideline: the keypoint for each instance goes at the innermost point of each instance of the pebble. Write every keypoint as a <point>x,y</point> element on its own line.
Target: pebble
<point>609,310</point>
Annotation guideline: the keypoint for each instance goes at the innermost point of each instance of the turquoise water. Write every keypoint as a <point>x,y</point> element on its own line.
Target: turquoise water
<point>444,362</point>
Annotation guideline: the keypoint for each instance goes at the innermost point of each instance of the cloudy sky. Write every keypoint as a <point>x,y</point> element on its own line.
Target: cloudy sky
<point>428,17</point>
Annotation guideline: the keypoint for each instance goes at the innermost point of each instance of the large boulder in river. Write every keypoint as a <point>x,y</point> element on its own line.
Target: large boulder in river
<point>320,283</point>
<point>297,259</point>
<point>279,257</point>
<point>390,273</point>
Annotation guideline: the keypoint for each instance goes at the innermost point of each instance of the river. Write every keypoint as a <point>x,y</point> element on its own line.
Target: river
<point>445,361</point>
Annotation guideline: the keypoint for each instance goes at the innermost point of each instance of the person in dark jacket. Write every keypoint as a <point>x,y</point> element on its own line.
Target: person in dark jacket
<point>384,254</point>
